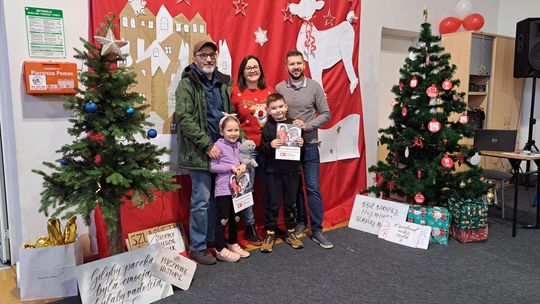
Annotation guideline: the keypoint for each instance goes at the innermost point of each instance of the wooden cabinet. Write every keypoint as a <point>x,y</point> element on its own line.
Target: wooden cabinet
<point>485,64</point>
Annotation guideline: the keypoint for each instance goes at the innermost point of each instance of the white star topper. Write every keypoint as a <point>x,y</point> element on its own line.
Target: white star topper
<point>260,36</point>
<point>110,44</point>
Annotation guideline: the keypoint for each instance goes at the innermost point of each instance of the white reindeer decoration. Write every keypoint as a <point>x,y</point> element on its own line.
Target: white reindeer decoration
<point>323,49</point>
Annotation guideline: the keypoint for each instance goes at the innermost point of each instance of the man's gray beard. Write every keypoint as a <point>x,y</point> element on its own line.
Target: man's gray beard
<point>208,70</point>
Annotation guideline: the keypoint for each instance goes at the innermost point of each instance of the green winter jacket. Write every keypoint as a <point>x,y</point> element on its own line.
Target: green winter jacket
<point>193,137</point>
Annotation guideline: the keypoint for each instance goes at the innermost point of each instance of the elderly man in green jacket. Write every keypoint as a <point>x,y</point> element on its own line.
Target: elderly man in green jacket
<point>202,96</point>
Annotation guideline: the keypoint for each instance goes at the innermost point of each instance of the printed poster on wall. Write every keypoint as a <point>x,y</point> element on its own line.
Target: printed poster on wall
<point>45,32</point>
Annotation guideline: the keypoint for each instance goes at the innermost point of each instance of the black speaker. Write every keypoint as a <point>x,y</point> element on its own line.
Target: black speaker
<point>527,52</point>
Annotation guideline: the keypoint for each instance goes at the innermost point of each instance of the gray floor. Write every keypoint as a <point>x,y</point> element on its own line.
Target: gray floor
<point>363,269</point>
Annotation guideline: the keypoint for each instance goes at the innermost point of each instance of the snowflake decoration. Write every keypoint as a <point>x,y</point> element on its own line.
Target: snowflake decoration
<point>260,36</point>
<point>240,7</point>
<point>141,10</point>
<point>287,16</point>
<point>329,19</point>
<point>180,1</point>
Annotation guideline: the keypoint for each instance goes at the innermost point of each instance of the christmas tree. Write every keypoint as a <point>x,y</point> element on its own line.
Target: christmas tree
<point>428,161</point>
<point>105,164</point>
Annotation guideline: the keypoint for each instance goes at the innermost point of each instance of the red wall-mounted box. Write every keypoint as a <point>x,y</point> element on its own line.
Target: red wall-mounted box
<point>50,77</point>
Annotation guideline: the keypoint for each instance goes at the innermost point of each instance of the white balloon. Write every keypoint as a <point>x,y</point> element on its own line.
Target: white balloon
<point>463,9</point>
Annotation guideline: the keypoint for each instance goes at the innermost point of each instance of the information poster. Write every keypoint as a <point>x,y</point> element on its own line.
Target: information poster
<point>45,32</point>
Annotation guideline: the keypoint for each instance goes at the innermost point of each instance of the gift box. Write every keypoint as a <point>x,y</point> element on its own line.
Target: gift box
<point>438,218</point>
<point>49,272</point>
<point>468,236</point>
<point>468,214</point>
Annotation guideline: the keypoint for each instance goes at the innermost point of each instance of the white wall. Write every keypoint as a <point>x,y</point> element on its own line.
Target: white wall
<point>37,124</point>
<point>401,15</point>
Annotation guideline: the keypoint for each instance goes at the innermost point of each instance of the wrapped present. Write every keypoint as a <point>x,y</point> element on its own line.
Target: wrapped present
<point>438,218</point>
<point>468,236</point>
<point>468,214</point>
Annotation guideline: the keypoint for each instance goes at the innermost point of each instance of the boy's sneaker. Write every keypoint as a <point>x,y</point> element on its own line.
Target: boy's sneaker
<point>293,240</point>
<point>268,242</point>
<point>202,257</point>
<point>226,255</point>
<point>321,239</point>
<point>237,249</point>
<point>251,235</point>
<point>300,229</point>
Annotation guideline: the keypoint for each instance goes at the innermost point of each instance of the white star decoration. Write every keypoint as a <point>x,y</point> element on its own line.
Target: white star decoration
<point>329,19</point>
<point>287,15</point>
<point>110,44</point>
<point>186,1</point>
<point>240,7</point>
<point>260,36</point>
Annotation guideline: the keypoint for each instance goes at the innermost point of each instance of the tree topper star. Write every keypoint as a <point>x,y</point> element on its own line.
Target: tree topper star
<point>260,36</point>
<point>110,44</point>
<point>240,7</point>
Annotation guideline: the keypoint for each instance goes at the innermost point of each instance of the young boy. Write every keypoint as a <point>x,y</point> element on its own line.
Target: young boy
<point>282,176</point>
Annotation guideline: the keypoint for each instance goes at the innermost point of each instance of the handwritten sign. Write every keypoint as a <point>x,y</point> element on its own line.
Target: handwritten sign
<point>122,278</point>
<point>174,268</point>
<point>405,233</point>
<point>369,213</point>
<point>139,239</point>
<point>242,202</point>
<point>171,239</point>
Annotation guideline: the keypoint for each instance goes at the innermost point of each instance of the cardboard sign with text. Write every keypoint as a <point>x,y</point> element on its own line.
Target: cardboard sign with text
<point>405,233</point>
<point>369,213</point>
<point>242,202</point>
<point>122,278</point>
<point>139,239</point>
<point>174,268</point>
<point>171,239</point>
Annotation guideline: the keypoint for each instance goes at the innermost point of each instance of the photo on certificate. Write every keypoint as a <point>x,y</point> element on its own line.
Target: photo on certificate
<point>288,134</point>
<point>240,184</point>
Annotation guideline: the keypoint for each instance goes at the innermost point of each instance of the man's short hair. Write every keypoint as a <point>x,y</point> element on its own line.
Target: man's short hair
<point>293,53</point>
<point>274,97</point>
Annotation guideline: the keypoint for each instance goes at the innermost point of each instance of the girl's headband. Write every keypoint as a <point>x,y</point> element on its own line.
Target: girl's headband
<point>225,115</point>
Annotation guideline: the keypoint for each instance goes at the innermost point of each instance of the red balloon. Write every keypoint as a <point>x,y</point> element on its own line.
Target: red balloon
<point>473,22</point>
<point>449,25</point>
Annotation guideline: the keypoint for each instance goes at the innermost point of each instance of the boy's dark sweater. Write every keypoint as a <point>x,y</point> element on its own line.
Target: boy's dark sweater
<point>273,165</point>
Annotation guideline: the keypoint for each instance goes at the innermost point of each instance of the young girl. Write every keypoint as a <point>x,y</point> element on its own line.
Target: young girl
<point>227,165</point>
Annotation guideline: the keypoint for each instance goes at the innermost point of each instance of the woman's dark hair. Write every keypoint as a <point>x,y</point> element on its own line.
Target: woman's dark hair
<point>242,83</point>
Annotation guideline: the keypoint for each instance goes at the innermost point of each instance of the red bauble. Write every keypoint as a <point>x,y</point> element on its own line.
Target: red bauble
<point>419,198</point>
<point>447,84</point>
<point>97,159</point>
<point>449,25</point>
<point>413,83</point>
<point>404,111</point>
<point>473,22</point>
<point>446,161</point>
<point>400,86</point>
<point>434,126</point>
<point>432,91</point>
<point>379,179</point>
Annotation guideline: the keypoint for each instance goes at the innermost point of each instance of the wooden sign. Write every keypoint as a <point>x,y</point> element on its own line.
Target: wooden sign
<point>122,278</point>
<point>174,268</point>
<point>369,213</point>
<point>139,239</point>
<point>171,239</point>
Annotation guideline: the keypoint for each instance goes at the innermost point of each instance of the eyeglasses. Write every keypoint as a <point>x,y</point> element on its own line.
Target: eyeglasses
<point>204,55</point>
<point>252,68</point>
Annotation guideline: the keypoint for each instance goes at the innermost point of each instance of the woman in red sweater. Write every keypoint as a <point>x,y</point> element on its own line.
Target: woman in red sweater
<point>249,102</point>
